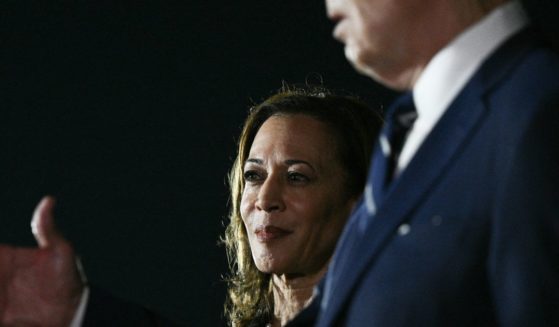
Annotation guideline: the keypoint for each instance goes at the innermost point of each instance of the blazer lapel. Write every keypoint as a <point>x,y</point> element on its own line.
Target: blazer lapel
<point>407,193</point>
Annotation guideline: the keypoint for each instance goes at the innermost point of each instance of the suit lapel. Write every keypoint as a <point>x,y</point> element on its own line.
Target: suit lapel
<point>405,195</point>
<point>427,168</point>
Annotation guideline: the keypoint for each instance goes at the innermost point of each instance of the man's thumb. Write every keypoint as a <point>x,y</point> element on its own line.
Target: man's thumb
<point>42,224</point>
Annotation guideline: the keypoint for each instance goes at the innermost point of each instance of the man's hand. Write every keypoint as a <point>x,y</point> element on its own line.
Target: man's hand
<point>40,286</point>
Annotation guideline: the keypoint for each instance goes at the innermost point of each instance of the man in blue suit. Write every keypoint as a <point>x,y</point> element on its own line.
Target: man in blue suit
<point>459,222</point>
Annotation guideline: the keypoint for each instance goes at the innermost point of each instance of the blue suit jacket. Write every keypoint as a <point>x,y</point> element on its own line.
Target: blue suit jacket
<point>468,235</point>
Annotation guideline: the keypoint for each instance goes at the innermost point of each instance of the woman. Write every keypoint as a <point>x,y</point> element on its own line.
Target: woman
<point>302,162</point>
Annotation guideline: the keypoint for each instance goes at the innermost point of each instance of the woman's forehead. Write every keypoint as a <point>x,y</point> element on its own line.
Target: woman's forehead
<point>293,137</point>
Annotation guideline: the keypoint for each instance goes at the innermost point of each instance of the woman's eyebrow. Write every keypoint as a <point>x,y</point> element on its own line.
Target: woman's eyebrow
<point>253,160</point>
<point>291,162</point>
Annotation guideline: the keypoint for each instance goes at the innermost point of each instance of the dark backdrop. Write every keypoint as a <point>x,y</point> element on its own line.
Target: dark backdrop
<point>128,113</point>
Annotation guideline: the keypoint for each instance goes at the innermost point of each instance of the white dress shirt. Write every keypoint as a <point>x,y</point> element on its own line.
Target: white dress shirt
<point>80,312</point>
<point>451,68</point>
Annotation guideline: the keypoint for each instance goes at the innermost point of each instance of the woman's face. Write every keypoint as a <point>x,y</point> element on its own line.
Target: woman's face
<point>295,202</point>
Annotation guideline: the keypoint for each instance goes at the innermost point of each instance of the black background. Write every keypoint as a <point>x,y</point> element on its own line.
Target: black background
<point>128,113</point>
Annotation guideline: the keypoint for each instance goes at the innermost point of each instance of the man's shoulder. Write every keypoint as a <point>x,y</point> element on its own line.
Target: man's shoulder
<point>522,77</point>
<point>521,60</point>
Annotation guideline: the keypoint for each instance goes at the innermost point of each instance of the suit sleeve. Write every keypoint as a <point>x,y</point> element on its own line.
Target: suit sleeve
<point>524,245</point>
<point>104,309</point>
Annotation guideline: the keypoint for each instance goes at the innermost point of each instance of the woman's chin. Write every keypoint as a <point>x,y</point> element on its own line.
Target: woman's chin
<point>272,268</point>
<point>268,265</point>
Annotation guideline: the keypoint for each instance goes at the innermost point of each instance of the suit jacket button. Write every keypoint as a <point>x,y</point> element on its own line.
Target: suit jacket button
<point>404,229</point>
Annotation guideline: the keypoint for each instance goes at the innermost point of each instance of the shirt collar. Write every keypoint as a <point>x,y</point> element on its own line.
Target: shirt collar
<point>450,69</point>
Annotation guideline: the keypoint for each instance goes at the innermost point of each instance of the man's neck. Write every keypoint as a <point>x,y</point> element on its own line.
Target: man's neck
<point>463,14</point>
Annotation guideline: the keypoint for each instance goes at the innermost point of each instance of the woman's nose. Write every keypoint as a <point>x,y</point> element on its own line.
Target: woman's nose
<point>270,195</point>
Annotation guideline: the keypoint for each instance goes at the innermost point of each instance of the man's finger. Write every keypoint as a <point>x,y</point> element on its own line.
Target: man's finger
<point>42,224</point>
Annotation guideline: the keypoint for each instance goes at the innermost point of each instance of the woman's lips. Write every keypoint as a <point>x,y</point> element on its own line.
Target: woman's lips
<point>270,233</point>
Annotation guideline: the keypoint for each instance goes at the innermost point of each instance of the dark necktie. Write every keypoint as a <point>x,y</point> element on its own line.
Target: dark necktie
<point>399,119</point>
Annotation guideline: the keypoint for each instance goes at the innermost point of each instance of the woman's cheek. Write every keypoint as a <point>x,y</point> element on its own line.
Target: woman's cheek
<point>246,203</point>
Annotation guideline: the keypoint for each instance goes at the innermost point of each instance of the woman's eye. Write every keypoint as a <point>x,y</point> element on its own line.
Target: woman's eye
<point>297,177</point>
<point>251,176</point>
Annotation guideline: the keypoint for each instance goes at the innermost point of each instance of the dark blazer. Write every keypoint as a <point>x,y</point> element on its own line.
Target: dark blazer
<point>468,235</point>
<point>104,309</point>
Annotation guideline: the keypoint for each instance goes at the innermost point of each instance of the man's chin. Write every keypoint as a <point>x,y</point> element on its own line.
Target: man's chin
<point>355,58</point>
<point>352,56</point>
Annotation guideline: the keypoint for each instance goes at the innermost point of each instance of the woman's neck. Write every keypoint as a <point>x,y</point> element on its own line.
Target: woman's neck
<point>292,294</point>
